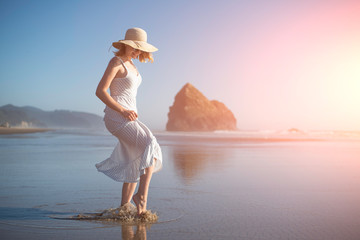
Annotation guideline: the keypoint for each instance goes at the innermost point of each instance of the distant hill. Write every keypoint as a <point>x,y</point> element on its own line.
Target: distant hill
<point>35,117</point>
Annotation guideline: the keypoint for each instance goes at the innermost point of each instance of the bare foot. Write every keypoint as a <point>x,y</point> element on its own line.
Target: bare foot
<point>140,204</point>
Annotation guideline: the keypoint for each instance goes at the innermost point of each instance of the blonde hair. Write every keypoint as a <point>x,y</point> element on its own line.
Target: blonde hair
<point>143,56</point>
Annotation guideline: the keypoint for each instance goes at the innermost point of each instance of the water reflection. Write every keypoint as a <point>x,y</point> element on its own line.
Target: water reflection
<point>128,233</point>
<point>191,162</point>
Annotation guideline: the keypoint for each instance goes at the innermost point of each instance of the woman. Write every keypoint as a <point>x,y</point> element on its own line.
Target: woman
<point>137,155</point>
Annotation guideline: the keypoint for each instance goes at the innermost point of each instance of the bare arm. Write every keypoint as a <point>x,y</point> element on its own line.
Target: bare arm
<point>101,92</point>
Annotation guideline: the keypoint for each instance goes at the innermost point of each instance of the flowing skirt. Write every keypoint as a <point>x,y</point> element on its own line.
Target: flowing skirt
<point>136,150</point>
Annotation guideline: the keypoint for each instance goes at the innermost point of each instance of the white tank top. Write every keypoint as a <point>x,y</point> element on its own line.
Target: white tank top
<point>123,90</point>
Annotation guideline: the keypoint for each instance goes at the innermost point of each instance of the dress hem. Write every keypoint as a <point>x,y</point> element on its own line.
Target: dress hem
<point>152,152</point>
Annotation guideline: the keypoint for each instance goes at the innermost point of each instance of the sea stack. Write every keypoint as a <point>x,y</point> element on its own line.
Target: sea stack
<point>192,111</point>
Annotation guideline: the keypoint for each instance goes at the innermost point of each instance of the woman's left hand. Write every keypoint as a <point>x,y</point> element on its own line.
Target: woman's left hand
<point>130,115</point>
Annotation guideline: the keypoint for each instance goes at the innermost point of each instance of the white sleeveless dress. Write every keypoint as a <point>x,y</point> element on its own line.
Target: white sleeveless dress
<point>137,148</point>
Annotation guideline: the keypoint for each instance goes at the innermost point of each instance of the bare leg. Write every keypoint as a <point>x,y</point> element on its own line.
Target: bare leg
<point>140,198</point>
<point>128,190</point>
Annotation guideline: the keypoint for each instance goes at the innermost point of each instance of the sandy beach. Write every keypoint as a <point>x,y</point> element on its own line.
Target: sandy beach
<point>15,130</point>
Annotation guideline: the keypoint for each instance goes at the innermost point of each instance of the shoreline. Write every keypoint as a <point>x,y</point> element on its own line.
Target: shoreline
<point>259,136</point>
<point>16,130</point>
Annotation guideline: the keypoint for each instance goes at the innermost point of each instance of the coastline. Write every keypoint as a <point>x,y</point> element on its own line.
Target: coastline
<point>15,130</point>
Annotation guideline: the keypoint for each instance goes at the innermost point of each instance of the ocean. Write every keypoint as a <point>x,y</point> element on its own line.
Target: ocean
<point>222,185</point>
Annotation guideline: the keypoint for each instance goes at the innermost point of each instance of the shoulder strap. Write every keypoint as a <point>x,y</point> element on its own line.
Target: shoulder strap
<point>122,62</point>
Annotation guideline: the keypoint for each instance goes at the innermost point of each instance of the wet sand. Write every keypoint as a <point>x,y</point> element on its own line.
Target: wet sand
<point>14,130</point>
<point>207,189</point>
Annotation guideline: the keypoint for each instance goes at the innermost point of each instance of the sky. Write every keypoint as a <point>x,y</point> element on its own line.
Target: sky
<point>276,64</point>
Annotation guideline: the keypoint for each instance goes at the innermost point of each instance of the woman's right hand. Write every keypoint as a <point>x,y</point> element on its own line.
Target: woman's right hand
<point>129,114</point>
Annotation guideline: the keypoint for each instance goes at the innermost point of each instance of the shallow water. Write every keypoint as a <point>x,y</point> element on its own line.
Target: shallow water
<point>222,186</point>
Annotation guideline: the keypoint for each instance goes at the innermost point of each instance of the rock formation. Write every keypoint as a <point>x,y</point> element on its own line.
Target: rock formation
<point>192,111</point>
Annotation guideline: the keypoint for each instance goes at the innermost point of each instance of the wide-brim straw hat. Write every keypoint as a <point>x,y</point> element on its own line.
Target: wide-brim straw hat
<point>136,38</point>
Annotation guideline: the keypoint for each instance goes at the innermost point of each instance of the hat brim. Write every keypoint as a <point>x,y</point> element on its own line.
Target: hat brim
<point>143,46</point>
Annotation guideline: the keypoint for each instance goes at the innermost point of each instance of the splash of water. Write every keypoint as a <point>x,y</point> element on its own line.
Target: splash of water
<point>124,214</point>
